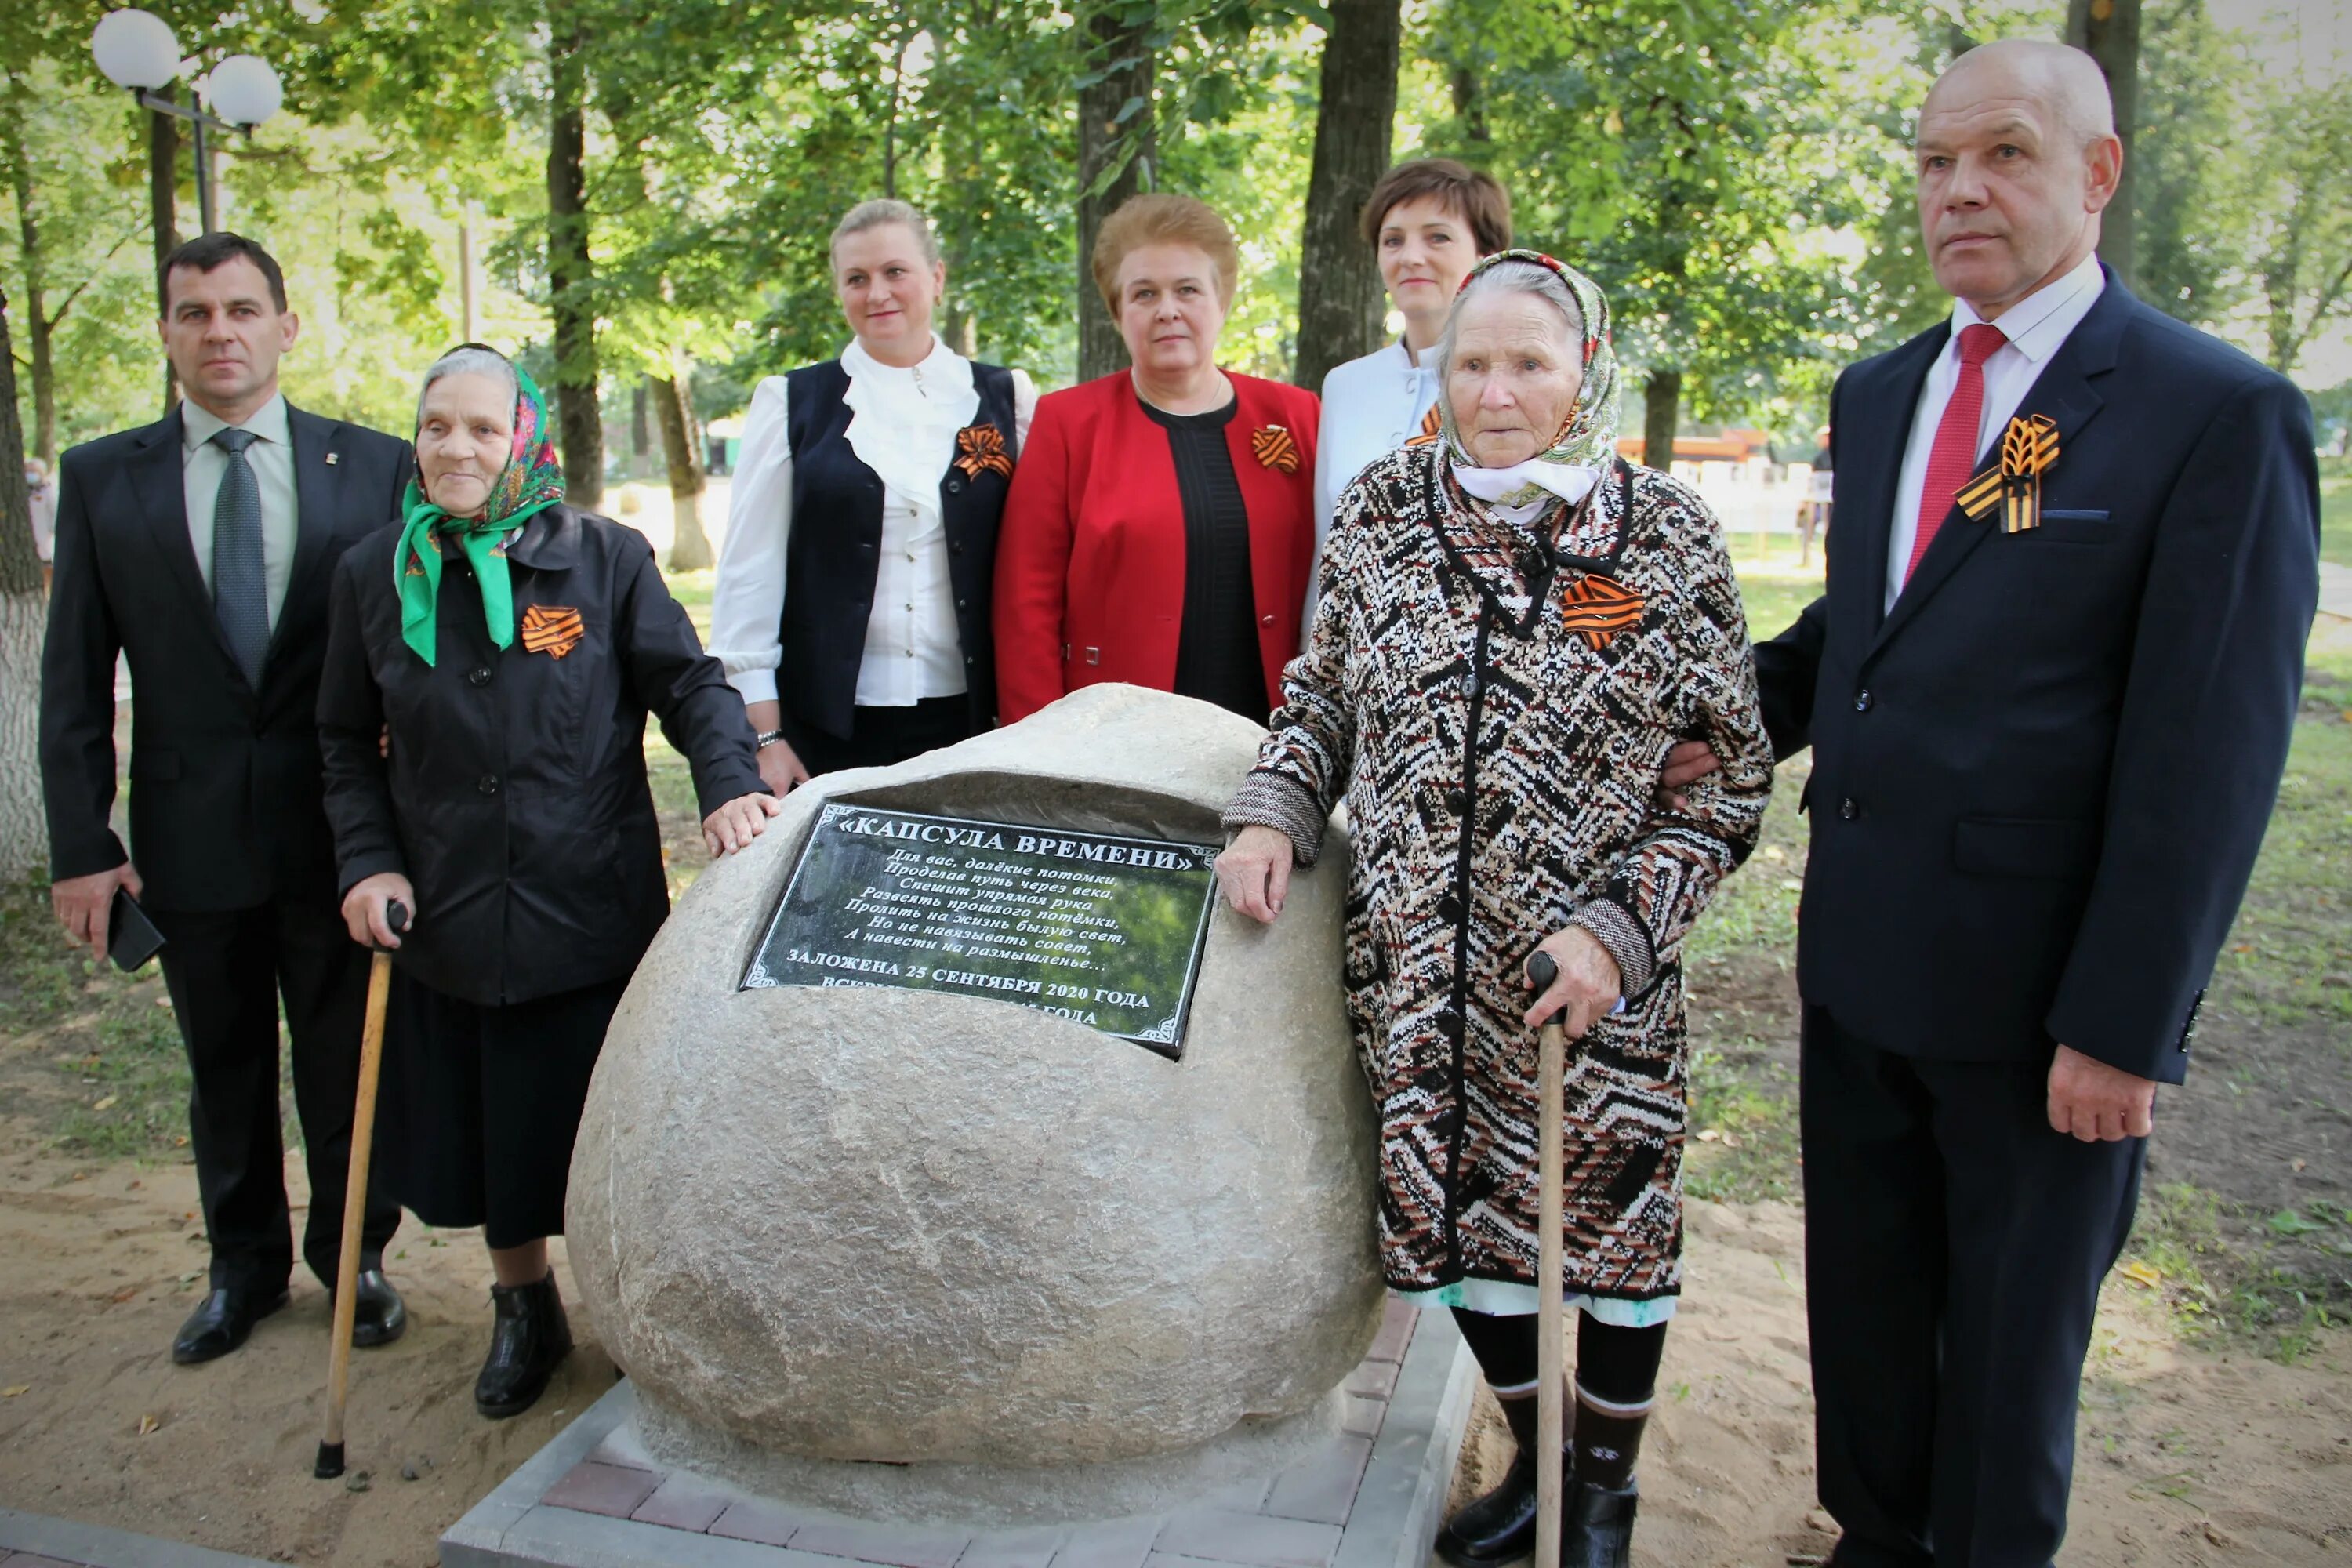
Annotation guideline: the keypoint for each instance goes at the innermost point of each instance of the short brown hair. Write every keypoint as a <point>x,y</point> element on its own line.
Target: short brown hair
<point>218,249</point>
<point>1483,203</point>
<point>1165,220</point>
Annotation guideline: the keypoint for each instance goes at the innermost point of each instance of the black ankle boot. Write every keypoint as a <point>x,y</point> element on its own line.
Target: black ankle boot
<point>528,1338</point>
<point>1501,1525</point>
<point>1596,1525</point>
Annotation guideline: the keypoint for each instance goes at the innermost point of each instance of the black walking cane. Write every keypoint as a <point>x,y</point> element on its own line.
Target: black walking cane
<point>1552,1371</point>
<point>329,1463</point>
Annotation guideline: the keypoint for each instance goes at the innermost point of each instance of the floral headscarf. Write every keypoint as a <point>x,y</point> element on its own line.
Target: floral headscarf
<point>531,481</point>
<point>1587,442</point>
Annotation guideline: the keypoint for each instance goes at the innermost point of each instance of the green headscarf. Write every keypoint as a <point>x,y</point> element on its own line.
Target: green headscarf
<point>1589,440</point>
<point>531,481</point>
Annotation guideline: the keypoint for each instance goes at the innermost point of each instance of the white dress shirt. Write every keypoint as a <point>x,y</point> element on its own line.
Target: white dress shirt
<point>903,425</point>
<point>2035,327</point>
<point>1371,406</point>
<point>271,457</point>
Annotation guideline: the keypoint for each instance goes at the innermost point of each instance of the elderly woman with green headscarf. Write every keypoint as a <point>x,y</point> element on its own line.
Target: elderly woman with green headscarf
<point>490,662</point>
<point>1514,625</point>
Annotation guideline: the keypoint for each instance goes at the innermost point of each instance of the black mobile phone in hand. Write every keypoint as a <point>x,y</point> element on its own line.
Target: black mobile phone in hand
<point>132,937</point>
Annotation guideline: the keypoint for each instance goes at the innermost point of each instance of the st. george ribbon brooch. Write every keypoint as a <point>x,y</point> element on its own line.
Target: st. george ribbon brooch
<point>979,449</point>
<point>1597,608</point>
<point>1275,448</point>
<point>2028,448</point>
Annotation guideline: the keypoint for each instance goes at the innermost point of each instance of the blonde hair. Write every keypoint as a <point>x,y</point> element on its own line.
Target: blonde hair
<point>1165,220</point>
<point>873,215</point>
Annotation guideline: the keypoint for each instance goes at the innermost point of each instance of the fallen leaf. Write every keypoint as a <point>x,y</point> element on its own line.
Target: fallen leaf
<point>2139,1273</point>
<point>14,1389</point>
<point>106,1104</point>
<point>124,1294</point>
<point>164,1001</point>
<point>2297,1166</point>
<point>1709,1134</point>
<point>180,1143</point>
<point>148,1424</point>
<point>1731,1139</point>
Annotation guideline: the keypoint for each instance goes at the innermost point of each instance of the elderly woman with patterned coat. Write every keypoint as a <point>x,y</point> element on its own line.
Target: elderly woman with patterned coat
<point>490,663</point>
<point>1514,627</point>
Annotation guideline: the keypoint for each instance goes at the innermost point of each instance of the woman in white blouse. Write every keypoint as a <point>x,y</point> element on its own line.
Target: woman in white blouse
<point>852,605</point>
<point>1429,220</point>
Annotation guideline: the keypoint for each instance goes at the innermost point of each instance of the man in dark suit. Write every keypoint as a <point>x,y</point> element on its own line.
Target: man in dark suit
<point>2049,714</point>
<point>202,547</point>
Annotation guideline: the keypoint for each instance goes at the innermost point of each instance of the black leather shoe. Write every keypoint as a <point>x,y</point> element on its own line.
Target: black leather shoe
<point>379,1315</point>
<point>1596,1525</point>
<point>1500,1526</point>
<point>529,1340</point>
<point>221,1324</point>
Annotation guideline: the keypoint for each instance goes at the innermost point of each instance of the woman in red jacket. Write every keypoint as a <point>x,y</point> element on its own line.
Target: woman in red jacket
<point>1161,520</point>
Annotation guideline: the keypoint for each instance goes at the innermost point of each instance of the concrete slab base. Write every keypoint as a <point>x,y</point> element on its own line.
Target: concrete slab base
<point>31,1541</point>
<point>1367,1496</point>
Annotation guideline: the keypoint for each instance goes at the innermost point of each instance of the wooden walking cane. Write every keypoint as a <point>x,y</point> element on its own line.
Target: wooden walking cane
<point>329,1463</point>
<point>1551,1353</point>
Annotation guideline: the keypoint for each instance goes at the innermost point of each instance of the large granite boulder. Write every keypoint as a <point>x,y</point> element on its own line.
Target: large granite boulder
<point>853,1223</point>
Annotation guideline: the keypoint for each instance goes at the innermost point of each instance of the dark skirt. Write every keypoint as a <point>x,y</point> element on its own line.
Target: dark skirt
<point>885,737</point>
<point>479,1105</point>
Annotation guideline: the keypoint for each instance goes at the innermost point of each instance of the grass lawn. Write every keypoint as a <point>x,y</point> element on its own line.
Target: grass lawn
<point>2335,512</point>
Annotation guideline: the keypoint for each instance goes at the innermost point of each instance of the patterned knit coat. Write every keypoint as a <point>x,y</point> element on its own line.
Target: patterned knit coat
<point>1499,755</point>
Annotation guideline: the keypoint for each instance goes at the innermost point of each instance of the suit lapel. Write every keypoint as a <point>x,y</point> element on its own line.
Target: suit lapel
<point>159,484</point>
<point>1876,434</point>
<point>2064,394</point>
<point>315,442</point>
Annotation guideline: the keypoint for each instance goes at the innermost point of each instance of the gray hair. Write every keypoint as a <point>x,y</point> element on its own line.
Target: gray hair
<point>1512,278</point>
<point>873,215</point>
<point>469,359</point>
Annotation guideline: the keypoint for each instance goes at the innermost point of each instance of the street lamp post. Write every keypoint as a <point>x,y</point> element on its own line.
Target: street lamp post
<point>137,50</point>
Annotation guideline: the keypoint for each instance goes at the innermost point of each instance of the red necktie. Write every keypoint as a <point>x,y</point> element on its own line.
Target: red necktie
<point>1953,457</point>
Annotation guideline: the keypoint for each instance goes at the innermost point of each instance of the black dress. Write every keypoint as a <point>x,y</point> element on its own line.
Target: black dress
<point>1217,656</point>
<point>515,801</point>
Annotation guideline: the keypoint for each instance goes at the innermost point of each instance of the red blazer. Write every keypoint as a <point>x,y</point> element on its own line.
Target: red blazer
<point>1090,553</point>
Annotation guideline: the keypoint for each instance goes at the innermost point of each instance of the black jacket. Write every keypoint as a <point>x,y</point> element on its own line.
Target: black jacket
<point>225,781</point>
<point>515,798</point>
<point>2040,779</point>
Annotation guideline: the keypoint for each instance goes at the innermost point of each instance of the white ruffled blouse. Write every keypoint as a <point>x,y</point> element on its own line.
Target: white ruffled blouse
<point>903,423</point>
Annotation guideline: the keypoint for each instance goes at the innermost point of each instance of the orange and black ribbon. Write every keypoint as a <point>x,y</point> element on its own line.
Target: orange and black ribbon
<point>979,449</point>
<point>1597,608</point>
<point>2013,483</point>
<point>551,629</point>
<point>1431,425</point>
<point>1275,448</point>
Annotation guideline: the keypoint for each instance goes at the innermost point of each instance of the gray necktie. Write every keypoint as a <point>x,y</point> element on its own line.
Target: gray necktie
<point>240,586</point>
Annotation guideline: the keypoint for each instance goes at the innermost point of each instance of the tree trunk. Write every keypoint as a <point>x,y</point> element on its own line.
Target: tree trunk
<point>1341,304</point>
<point>569,276</point>
<point>24,616</point>
<point>1116,132</point>
<point>1469,113</point>
<point>163,194</point>
<point>2108,31</point>
<point>690,546</point>
<point>1664,394</point>
<point>39,326</point>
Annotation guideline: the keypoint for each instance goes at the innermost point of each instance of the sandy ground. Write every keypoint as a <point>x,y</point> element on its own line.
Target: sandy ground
<point>2187,1457</point>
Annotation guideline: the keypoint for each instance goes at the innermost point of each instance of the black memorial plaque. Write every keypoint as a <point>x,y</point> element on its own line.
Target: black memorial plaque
<point>1090,926</point>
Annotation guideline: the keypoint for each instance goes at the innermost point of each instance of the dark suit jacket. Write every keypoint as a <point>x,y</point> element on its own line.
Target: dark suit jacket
<point>225,793</point>
<point>2040,779</point>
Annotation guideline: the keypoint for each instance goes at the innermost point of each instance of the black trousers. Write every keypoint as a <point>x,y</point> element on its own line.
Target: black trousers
<point>227,973</point>
<point>882,737</point>
<point>1954,1247</point>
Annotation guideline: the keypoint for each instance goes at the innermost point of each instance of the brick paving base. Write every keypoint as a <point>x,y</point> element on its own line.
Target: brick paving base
<point>31,1541</point>
<point>1369,1498</point>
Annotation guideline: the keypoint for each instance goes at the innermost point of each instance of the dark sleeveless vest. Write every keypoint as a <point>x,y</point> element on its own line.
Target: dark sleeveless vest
<point>835,550</point>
